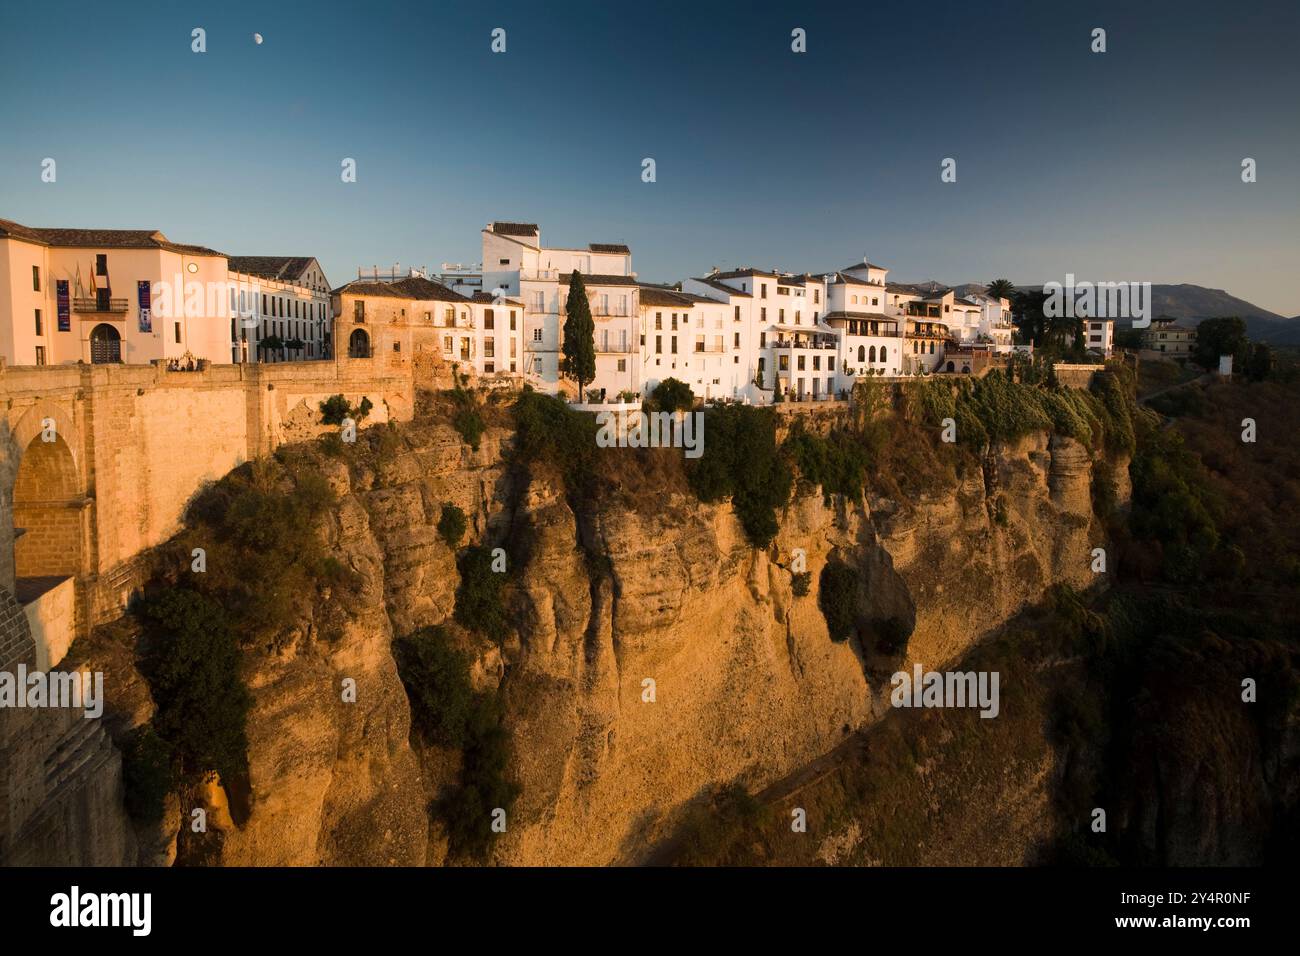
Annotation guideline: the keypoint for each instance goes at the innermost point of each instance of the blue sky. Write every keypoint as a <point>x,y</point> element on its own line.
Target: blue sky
<point>1119,166</point>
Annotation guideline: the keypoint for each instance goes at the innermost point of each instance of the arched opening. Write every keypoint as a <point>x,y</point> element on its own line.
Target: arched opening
<point>48,511</point>
<point>872,353</point>
<point>105,344</point>
<point>951,367</point>
<point>359,344</point>
<point>862,353</point>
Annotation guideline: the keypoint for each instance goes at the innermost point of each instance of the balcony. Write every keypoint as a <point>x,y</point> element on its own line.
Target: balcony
<point>817,342</point>
<point>100,306</point>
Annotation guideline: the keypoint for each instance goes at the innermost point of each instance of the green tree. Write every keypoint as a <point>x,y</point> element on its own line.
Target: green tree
<point>579,350</point>
<point>1223,336</point>
<point>451,524</point>
<point>1001,288</point>
<point>672,395</point>
<point>1259,363</point>
<point>192,666</point>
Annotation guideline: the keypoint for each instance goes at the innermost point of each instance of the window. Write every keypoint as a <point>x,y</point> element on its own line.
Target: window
<point>40,355</point>
<point>358,310</point>
<point>489,367</point>
<point>447,344</point>
<point>176,326</point>
<point>762,288</point>
<point>737,313</point>
<point>428,316</point>
<point>762,314</point>
<point>36,278</point>
<point>737,345</point>
<point>512,320</point>
<point>101,264</point>
<point>622,365</point>
<point>802,362</point>
<point>503,262</point>
<point>780,315</point>
<point>817,296</point>
<point>537,335</point>
<point>39,330</point>
<point>489,319</point>
<point>673,345</point>
<point>397,346</point>
<point>659,320</point>
<point>797,320</point>
<point>699,343</point>
<point>762,340</point>
<point>659,344</point>
<point>489,348</point>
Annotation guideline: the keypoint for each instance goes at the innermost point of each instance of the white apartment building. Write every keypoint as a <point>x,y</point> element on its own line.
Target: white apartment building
<point>1099,335</point>
<point>109,295</point>
<point>279,309</point>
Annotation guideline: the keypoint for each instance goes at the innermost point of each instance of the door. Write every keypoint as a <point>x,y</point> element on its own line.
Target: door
<point>105,345</point>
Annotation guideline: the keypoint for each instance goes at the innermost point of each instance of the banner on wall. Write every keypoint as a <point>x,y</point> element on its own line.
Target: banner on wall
<point>64,306</point>
<point>146,313</point>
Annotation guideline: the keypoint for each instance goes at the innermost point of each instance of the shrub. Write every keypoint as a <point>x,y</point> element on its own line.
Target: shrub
<point>838,463</point>
<point>672,395</point>
<point>838,600</point>
<point>451,524</point>
<point>547,431</point>
<point>741,461</point>
<point>148,774</point>
<point>466,417</point>
<point>336,408</point>
<point>483,787</point>
<point>479,605</point>
<point>446,711</point>
<point>800,583</point>
<point>191,663</point>
<point>264,556</point>
<point>436,678</point>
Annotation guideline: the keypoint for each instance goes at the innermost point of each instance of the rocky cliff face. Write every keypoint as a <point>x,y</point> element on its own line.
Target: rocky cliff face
<point>679,660</point>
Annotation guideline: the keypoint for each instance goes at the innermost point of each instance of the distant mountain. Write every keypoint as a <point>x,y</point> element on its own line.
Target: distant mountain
<point>1192,303</point>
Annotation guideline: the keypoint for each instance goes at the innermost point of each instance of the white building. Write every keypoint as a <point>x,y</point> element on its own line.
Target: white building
<point>110,295</point>
<point>279,309</point>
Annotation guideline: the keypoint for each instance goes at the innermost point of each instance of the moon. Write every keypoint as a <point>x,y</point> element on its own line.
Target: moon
<point>257,38</point>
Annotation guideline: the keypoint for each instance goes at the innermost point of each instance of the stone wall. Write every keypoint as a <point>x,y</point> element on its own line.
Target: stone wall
<point>132,444</point>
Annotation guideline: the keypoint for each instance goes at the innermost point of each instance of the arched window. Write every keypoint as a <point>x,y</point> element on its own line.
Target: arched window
<point>862,353</point>
<point>359,344</point>
<point>872,353</point>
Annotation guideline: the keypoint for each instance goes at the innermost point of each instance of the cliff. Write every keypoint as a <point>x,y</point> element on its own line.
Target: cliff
<point>656,653</point>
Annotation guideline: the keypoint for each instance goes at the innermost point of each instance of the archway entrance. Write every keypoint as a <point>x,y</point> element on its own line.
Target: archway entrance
<point>48,512</point>
<point>359,344</point>
<point>105,344</point>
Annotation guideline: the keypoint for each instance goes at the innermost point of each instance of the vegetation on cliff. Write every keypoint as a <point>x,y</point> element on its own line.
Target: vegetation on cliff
<point>446,711</point>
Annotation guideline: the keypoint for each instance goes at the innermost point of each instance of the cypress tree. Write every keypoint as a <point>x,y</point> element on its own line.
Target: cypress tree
<point>579,336</point>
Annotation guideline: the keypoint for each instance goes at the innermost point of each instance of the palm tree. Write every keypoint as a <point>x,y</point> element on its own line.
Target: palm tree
<point>1000,289</point>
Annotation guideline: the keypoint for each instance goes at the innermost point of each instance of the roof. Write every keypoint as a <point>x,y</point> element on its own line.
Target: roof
<point>526,229</point>
<point>286,268</point>
<point>597,279</point>
<point>854,280</point>
<point>413,287</point>
<point>723,287</point>
<point>487,298</point>
<point>615,247</point>
<point>737,273</point>
<point>655,295</point>
<point>100,238</point>
<point>864,264</point>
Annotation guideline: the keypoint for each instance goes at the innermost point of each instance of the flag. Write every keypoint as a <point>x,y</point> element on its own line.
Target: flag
<point>80,292</point>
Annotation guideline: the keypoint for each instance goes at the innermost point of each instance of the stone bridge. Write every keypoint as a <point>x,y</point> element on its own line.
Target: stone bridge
<point>98,462</point>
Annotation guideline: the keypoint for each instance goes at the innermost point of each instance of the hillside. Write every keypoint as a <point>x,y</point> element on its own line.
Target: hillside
<point>1192,303</point>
